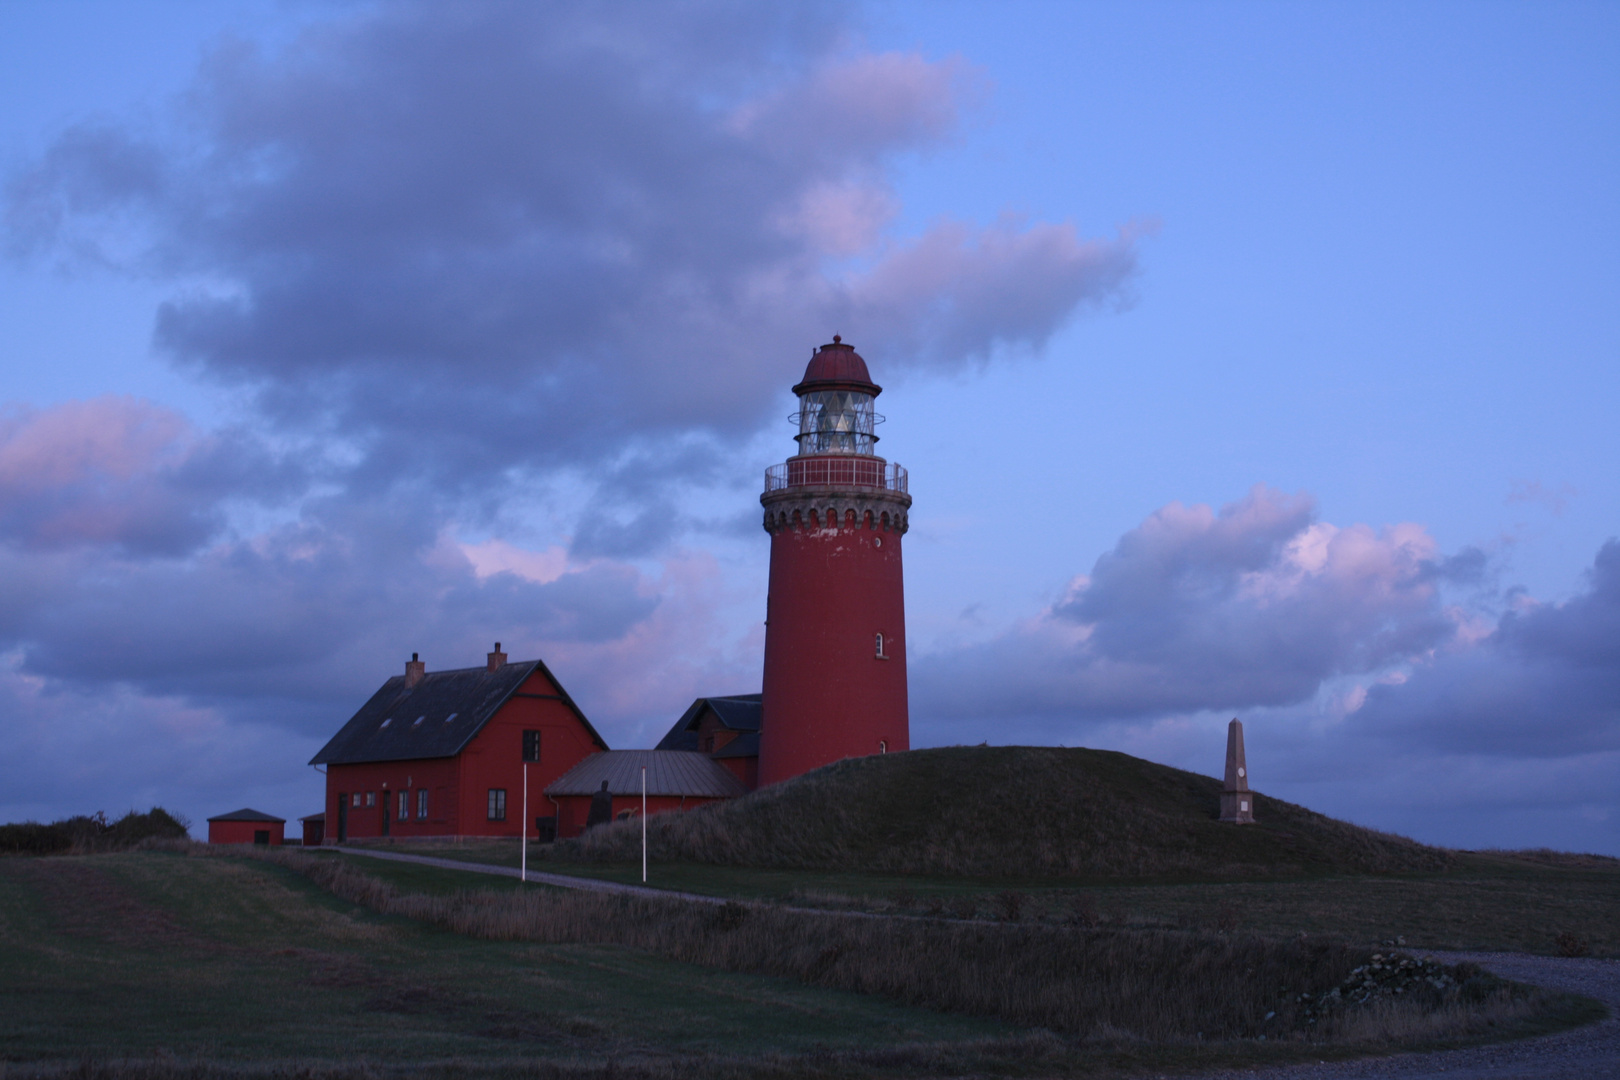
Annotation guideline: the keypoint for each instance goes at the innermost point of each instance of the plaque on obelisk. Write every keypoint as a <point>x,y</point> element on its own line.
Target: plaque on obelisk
<point>1237,801</point>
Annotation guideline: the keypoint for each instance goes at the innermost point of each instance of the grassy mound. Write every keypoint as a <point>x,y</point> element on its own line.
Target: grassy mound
<point>1009,811</point>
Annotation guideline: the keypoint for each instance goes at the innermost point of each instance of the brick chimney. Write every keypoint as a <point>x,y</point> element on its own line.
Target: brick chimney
<point>496,658</point>
<point>415,670</point>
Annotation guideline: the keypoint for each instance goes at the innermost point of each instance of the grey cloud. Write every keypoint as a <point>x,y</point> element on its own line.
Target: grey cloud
<point>294,622</point>
<point>1545,683</point>
<point>123,473</point>
<point>1256,605</point>
<point>476,237</point>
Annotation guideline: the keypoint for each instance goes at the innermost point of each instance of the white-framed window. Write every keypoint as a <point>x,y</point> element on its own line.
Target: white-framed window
<point>371,798</point>
<point>880,655</point>
<point>357,798</point>
<point>497,804</point>
<point>883,746</point>
<point>1243,804</point>
<point>404,806</point>
<point>421,802</point>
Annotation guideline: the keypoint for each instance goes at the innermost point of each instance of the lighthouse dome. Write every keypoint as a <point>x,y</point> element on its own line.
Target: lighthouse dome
<point>837,367</point>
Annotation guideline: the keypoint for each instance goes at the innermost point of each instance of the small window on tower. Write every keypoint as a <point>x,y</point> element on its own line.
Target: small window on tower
<point>880,655</point>
<point>1243,805</point>
<point>883,746</point>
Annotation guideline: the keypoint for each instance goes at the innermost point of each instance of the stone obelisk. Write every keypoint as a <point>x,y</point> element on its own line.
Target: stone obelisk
<point>1237,802</point>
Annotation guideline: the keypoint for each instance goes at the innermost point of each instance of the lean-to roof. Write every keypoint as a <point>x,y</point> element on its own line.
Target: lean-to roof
<point>669,772</point>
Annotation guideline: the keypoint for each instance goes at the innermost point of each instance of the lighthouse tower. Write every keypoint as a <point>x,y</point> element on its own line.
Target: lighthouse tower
<point>835,617</point>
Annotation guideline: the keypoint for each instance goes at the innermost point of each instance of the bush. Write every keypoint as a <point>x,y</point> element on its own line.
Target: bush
<point>1083,911</point>
<point>1010,905</point>
<point>1570,945</point>
<point>85,834</point>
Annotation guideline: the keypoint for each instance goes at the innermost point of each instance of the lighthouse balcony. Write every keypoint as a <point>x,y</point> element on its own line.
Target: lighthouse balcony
<point>855,471</point>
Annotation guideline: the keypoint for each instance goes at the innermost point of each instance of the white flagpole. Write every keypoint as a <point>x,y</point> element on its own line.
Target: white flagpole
<point>523,873</point>
<point>644,824</point>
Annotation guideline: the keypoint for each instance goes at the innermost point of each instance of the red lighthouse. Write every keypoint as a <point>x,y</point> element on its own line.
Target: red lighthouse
<point>835,637</point>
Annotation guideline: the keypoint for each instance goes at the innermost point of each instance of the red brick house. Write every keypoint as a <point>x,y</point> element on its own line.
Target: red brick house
<point>443,753</point>
<point>726,729</point>
<point>247,827</point>
<point>676,780</point>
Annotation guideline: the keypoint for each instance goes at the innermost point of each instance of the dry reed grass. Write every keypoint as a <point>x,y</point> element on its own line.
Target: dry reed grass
<point>1106,986</point>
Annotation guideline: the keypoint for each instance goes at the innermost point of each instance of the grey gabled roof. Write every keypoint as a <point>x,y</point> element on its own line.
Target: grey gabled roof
<point>669,772</point>
<point>436,718</point>
<point>739,712</point>
<point>245,814</point>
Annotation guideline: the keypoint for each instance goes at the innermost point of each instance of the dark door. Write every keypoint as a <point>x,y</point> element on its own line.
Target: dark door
<point>384,802</point>
<point>343,817</point>
<point>261,836</point>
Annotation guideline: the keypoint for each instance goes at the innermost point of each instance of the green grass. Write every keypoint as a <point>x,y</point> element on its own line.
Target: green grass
<point>1518,902</point>
<point>1009,812</point>
<point>148,965</point>
<point>232,959</point>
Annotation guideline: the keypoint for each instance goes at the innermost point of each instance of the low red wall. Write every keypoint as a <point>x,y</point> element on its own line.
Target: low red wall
<point>241,832</point>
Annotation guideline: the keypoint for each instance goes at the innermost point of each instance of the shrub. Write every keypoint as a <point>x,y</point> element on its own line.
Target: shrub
<point>90,833</point>
<point>1570,945</point>
<point>1083,911</point>
<point>1010,905</point>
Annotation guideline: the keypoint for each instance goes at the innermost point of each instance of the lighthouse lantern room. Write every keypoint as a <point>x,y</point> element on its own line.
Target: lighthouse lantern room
<point>835,661</point>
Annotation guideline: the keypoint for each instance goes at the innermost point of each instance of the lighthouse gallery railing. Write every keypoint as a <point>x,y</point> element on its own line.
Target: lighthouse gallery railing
<point>854,471</point>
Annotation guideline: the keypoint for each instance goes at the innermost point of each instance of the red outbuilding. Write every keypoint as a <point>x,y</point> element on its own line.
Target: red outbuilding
<point>314,829</point>
<point>676,780</point>
<point>447,753</point>
<point>246,827</point>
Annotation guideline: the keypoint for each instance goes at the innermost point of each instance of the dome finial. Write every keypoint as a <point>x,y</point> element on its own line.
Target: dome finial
<point>837,340</point>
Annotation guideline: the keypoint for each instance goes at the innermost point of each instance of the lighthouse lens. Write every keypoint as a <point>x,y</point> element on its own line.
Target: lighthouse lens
<point>836,422</point>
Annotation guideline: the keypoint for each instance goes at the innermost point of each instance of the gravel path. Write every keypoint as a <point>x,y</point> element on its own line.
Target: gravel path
<point>1587,1053</point>
<point>565,881</point>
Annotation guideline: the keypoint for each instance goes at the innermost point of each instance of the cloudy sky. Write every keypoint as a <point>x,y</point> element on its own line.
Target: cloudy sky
<point>1249,360</point>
